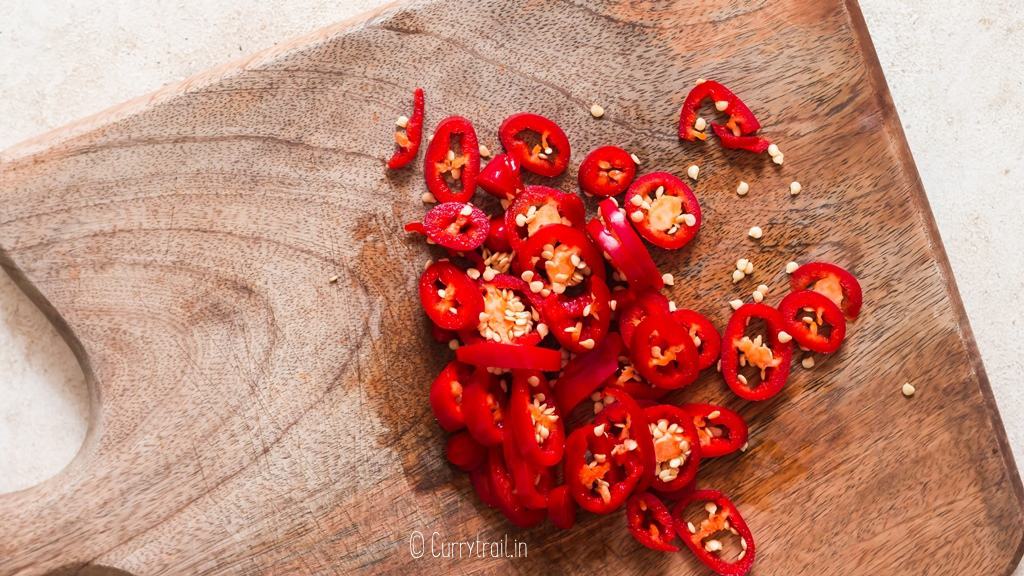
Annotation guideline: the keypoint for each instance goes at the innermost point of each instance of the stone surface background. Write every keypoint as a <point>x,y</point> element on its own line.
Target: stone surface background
<point>956,71</point>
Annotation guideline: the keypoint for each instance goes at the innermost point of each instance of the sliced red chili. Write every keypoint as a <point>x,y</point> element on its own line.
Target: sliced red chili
<point>532,482</point>
<point>741,120</point>
<point>643,305</point>
<point>585,373</point>
<point>407,141</point>
<point>813,320</point>
<point>457,226</point>
<point>510,356</point>
<point>446,396</point>
<point>764,352</point>
<point>597,482</point>
<point>464,452</point>
<point>561,508</point>
<point>511,312</point>
<point>705,539</point>
<point>497,235</point>
<point>754,144</point>
<point>721,430</point>
<point>704,334</point>
<point>484,406</point>
<point>450,299</point>
<point>540,206</point>
<point>444,166</point>
<point>676,447</point>
<point>547,154</point>
<point>839,285</point>
<point>626,426</point>
<point>612,232</point>
<point>480,478</point>
<point>663,209</point>
<point>650,522</point>
<point>559,258</point>
<point>627,378</point>
<point>663,353</point>
<point>537,424</point>
<point>504,492</point>
<point>501,177</point>
<point>607,171</point>
<point>579,323</point>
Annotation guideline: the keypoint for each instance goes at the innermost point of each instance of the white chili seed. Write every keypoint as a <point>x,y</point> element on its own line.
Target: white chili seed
<point>402,121</point>
<point>795,188</point>
<point>743,188</point>
<point>755,232</point>
<point>428,198</point>
<point>773,150</point>
<point>757,296</point>
<point>722,105</point>
<point>737,275</point>
<point>466,210</point>
<point>735,304</point>
<point>693,171</point>
<point>668,279</point>
<point>778,159</point>
<point>636,159</point>
<point>596,110</point>
<point>700,124</point>
<point>908,389</point>
<point>784,336</point>
<point>791,267</point>
<point>807,362</point>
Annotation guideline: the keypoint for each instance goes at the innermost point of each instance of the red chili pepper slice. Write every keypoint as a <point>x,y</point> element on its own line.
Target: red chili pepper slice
<point>532,482</point>
<point>537,424</point>
<point>704,334</point>
<point>597,482</point>
<point>704,540</point>
<point>446,396</point>
<point>561,508</point>
<point>664,353</point>
<point>626,425</point>
<point>449,297</point>
<point>754,144</point>
<point>484,406</point>
<point>764,352</point>
<point>458,226</point>
<point>664,210</point>
<point>453,156</point>
<point>650,522</point>
<point>510,356</point>
<point>497,235</point>
<point>627,378</point>
<point>741,120</point>
<point>813,320</point>
<point>548,155</point>
<point>511,313</point>
<point>559,258</point>
<point>839,285</point>
<point>581,322</point>
<point>721,430</point>
<point>612,232</point>
<point>643,305</point>
<point>504,492</point>
<point>501,177</point>
<point>540,206</point>
<point>676,447</point>
<point>480,478</point>
<point>585,373</point>
<point>607,171</point>
<point>407,142</point>
<point>464,452</point>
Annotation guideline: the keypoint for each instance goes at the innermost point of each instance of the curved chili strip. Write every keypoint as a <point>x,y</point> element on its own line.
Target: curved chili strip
<point>548,156</point>
<point>585,373</point>
<point>722,516</point>
<point>650,522</point>
<point>408,142</point>
<point>612,232</point>
<point>446,396</point>
<point>721,430</point>
<point>443,166</point>
<point>510,356</point>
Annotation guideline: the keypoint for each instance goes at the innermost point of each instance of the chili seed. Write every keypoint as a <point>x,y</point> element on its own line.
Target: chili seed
<point>596,110</point>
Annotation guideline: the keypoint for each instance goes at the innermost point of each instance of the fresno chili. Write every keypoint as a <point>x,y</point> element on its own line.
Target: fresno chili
<point>456,225</point>
<point>510,356</point>
<point>537,425</point>
<point>501,177</point>
<point>446,396</point>
<point>764,352</point>
<point>663,209</point>
<point>585,373</point>
<point>484,406</point>
<point>643,305</point>
<point>663,353</point>
<point>408,141</point>
<point>510,312</point>
<point>503,491</point>
<point>704,335</point>
<point>561,507</point>
<point>549,153</point>
<point>540,206</point>
<point>464,452</point>
<point>754,144</point>
<point>450,299</point>
<point>612,232</point>
<point>444,166</point>
<point>741,120</point>
<point>721,430</point>
<point>626,426</point>
<point>702,539</point>
<point>597,482</point>
<point>650,522</point>
<point>813,320</point>
<point>676,447</point>
<point>606,171</point>
<point>532,482</point>
<point>557,258</point>
<point>839,285</point>
<point>579,323</point>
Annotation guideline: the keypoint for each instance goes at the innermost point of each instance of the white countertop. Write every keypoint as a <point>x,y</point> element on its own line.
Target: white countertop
<point>956,71</point>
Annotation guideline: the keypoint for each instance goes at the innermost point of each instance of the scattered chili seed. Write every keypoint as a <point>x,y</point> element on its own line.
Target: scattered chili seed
<point>596,110</point>
<point>908,389</point>
<point>755,232</point>
<point>794,188</point>
<point>693,171</point>
<point>791,267</point>
<point>743,188</point>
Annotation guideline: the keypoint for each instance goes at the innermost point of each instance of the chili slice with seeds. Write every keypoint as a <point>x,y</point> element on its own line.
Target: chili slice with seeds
<point>443,166</point>
<point>663,353</point>
<point>676,447</point>
<point>484,406</point>
<point>540,206</point>
<point>741,120</point>
<point>839,285</point>
<point>813,320</point>
<point>559,257</point>
<point>606,171</point>
<point>721,430</point>
<point>446,396</point>
<point>754,144</point>
<point>650,522</point>
<point>722,517</point>
<point>408,142</point>
<point>457,226</point>
<point>537,424</point>
<point>548,156</point>
<point>626,425</point>
<point>598,483</point>
<point>643,305</point>
<point>704,334</point>
<point>664,210</point>
<point>449,297</point>
<point>579,323</point>
<point>765,352</point>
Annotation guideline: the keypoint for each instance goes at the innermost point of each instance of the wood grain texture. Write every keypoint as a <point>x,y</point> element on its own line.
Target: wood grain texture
<point>248,417</point>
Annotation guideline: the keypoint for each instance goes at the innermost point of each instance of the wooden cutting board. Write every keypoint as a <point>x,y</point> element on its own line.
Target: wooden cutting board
<point>250,417</point>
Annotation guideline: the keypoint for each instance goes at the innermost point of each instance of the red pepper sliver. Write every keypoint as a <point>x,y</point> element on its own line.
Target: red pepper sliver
<point>770,354</point>
<point>480,478</point>
<point>457,226</point>
<point>537,425</point>
<point>585,373</point>
<point>741,120</point>
<point>721,430</point>
<point>503,490</point>
<point>832,281</point>
<point>561,508</point>
<point>511,356</point>
<point>484,406</point>
<point>626,252</point>
<point>805,313</point>
<point>408,144</point>
<point>606,171</point>
<point>446,396</point>
<point>460,305</point>
<point>668,220</point>
<point>663,353</point>
<point>549,156</point>
<point>650,522</point>
<point>501,177</point>
<point>532,482</point>
<point>464,452</point>
<point>702,330</point>
<point>754,144</point>
<point>443,166</point>
<point>725,515</point>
